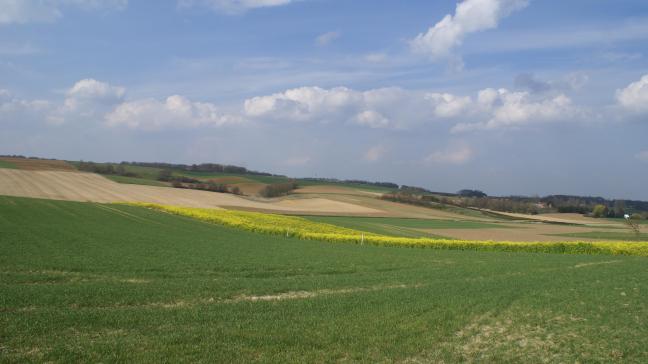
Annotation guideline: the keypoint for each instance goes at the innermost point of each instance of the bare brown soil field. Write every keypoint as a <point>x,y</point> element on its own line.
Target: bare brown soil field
<point>76,186</point>
<point>578,217</point>
<point>393,209</point>
<point>39,164</point>
<point>559,218</point>
<point>522,232</point>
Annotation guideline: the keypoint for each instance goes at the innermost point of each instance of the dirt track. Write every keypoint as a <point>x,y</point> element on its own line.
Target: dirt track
<point>76,186</point>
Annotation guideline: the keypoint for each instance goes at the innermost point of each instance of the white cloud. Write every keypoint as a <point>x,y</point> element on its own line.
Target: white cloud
<point>46,11</point>
<point>506,109</point>
<point>91,89</point>
<point>87,99</point>
<point>635,96</point>
<point>457,154</point>
<point>174,112</point>
<point>372,119</point>
<point>375,153</point>
<point>234,6</point>
<point>448,105</point>
<point>377,108</point>
<point>642,156</point>
<point>304,104</point>
<point>470,16</point>
<point>327,38</point>
<point>399,108</point>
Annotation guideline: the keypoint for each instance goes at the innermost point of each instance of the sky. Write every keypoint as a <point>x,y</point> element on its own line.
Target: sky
<point>512,97</point>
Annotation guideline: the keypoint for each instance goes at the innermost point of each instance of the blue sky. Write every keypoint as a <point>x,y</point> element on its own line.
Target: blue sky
<point>509,96</point>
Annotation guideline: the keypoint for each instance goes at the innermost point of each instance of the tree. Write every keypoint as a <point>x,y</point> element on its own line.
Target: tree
<point>619,208</point>
<point>600,211</point>
<point>471,193</point>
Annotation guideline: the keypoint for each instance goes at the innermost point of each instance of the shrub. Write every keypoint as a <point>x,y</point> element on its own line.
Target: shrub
<point>278,189</point>
<point>600,211</point>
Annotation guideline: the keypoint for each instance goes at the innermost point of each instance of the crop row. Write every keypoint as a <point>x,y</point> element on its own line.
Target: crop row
<point>304,229</point>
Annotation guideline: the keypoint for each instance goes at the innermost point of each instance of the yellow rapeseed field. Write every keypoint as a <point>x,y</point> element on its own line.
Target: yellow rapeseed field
<point>304,229</point>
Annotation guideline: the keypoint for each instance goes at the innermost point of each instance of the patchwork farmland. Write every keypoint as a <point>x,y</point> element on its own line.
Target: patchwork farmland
<point>96,270</point>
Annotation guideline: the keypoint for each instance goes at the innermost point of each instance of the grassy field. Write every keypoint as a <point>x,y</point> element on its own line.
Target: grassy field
<point>250,177</point>
<point>359,186</point>
<point>398,226</point>
<point>88,282</point>
<point>6,164</point>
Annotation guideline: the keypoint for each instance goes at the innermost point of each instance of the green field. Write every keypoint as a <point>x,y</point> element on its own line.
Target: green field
<point>5,164</point>
<point>251,177</point>
<point>83,282</point>
<point>400,226</point>
<point>358,186</point>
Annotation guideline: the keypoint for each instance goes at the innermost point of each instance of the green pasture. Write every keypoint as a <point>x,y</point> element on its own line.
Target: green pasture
<point>83,282</point>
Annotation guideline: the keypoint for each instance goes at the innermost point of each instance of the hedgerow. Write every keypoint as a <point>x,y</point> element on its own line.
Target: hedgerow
<point>308,230</point>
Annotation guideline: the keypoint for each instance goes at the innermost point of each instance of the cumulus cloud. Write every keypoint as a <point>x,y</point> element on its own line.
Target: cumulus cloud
<point>234,6</point>
<point>87,99</point>
<point>635,96</point>
<point>507,109</point>
<point>377,108</point>
<point>470,16</point>
<point>40,11</point>
<point>456,154</point>
<point>90,100</point>
<point>448,105</point>
<point>398,108</point>
<point>327,38</point>
<point>174,112</point>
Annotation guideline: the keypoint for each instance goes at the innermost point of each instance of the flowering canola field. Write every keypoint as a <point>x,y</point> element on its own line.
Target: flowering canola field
<point>304,229</point>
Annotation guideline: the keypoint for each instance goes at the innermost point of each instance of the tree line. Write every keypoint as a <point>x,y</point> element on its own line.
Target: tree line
<point>203,167</point>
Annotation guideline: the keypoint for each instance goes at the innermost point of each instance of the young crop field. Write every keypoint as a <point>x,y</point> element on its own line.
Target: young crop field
<point>7,164</point>
<point>399,226</point>
<point>83,282</point>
